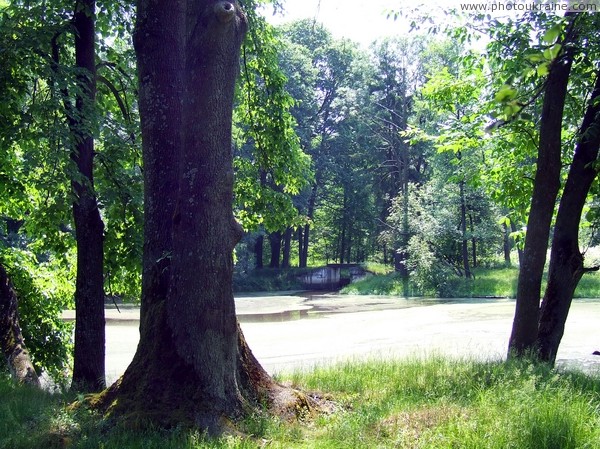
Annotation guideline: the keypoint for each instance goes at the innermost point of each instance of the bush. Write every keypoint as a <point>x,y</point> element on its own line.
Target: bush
<point>427,272</point>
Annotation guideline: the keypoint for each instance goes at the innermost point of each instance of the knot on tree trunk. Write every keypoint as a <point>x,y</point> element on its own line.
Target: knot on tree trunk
<point>225,11</point>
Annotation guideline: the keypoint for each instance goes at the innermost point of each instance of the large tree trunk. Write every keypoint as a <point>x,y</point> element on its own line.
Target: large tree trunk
<point>89,350</point>
<point>11,340</point>
<point>545,189</point>
<point>192,366</point>
<point>566,261</point>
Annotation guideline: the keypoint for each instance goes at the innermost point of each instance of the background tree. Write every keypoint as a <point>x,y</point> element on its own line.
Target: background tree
<point>45,86</point>
<point>397,75</point>
<point>320,107</point>
<point>270,165</point>
<point>89,349</point>
<point>539,72</point>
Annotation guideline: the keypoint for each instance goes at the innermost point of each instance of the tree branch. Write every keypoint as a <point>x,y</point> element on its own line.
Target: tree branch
<point>115,93</point>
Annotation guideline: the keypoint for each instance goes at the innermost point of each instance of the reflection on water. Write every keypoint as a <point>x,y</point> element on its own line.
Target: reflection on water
<point>288,315</point>
<point>278,308</point>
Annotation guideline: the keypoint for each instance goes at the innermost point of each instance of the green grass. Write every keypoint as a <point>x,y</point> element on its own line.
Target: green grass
<point>488,282</point>
<point>387,284</point>
<point>433,403</point>
<point>589,286</point>
<point>377,268</point>
<point>491,282</point>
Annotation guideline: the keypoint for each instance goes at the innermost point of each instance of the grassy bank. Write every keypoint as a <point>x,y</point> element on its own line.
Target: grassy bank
<point>435,403</point>
<point>488,282</point>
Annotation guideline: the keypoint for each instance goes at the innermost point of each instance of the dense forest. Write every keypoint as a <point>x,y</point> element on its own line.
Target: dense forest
<point>472,144</point>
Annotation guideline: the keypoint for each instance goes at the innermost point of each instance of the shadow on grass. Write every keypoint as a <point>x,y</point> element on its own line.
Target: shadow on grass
<point>429,403</point>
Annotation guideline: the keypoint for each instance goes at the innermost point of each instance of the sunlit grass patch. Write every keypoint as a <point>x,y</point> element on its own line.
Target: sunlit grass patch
<point>440,403</point>
<point>387,284</point>
<point>411,403</point>
<point>377,268</point>
<point>589,286</point>
<point>487,282</point>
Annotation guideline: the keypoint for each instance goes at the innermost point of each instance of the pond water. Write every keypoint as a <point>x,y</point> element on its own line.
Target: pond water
<point>302,305</point>
<point>288,331</point>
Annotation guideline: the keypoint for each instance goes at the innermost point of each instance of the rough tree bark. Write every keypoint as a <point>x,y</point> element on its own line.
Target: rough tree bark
<point>546,185</point>
<point>566,261</point>
<point>11,339</point>
<point>192,365</point>
<point>89,350</point>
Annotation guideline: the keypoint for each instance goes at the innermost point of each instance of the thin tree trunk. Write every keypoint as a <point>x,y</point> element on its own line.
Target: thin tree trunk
<point>275,241</point>
<point>349,245</point>
<point>473,242</point>
<point>303,263</point>
<point>306,235</point>
<point>405,223</point>
<point>513,228</point>
<point>11,339</point>
<point>342,245</point>
<point>546,185</point>
<point>258,252</point>
<point>506,245</point>
<point>89,349</point>
<point>287,243</point>
<point>566,261</point>
<point>300,238</point>
<point>463,229</point>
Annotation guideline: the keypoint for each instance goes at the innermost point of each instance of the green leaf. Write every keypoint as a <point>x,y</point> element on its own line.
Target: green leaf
<point>543,69</point>
<point>506,93</point>
<point>551,53</point>
<point>504,221</point>
<point>536,57</point>
<point>551,34</point>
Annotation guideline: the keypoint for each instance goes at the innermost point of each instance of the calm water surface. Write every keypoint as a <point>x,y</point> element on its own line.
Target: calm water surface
<point>297,330</point>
